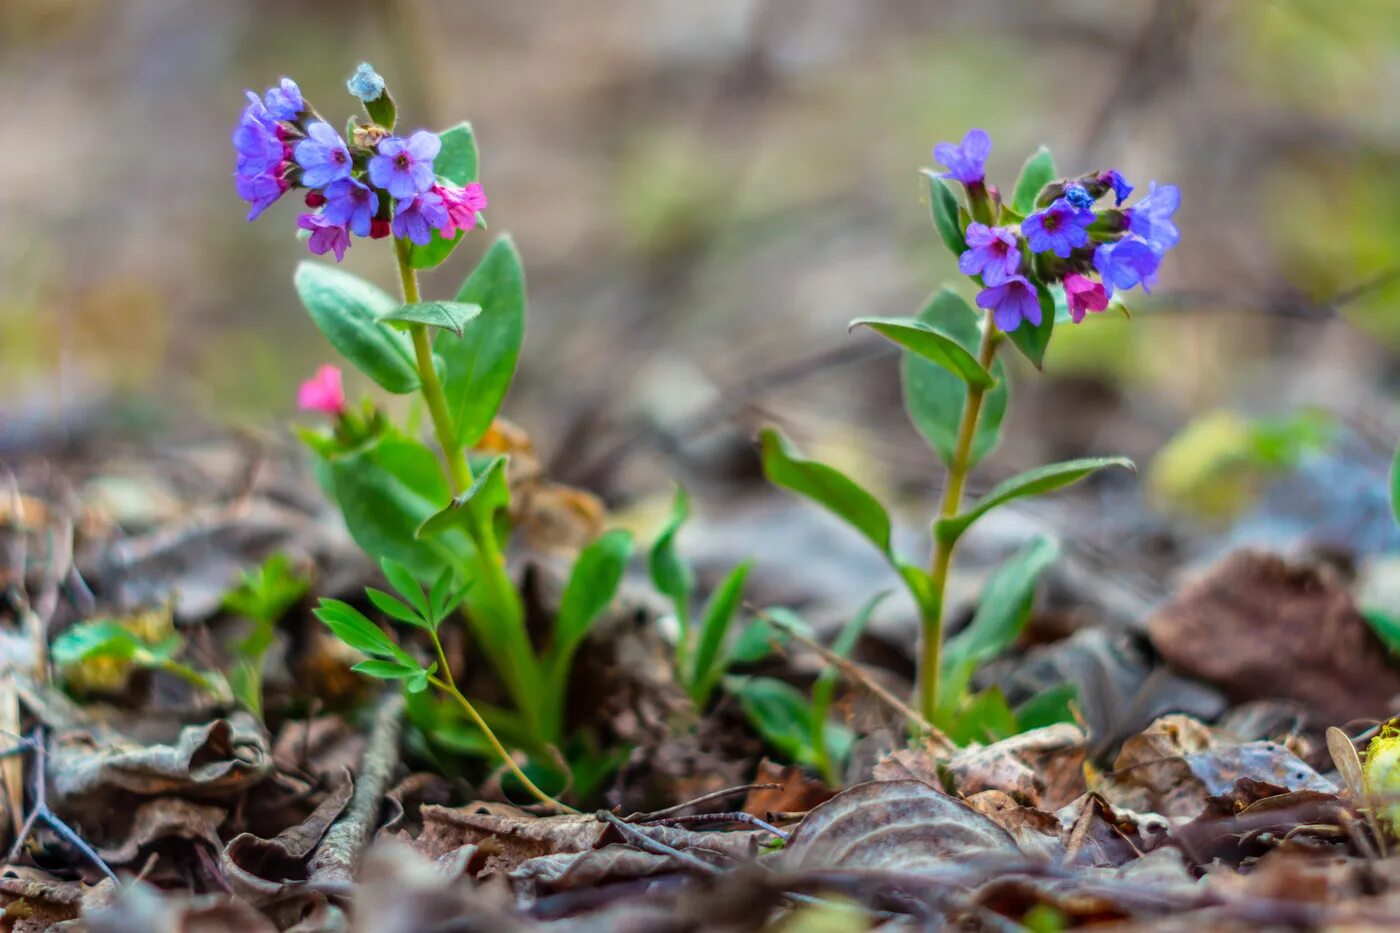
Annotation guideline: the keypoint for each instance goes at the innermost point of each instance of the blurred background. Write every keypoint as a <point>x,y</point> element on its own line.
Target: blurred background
<point>704,194</point>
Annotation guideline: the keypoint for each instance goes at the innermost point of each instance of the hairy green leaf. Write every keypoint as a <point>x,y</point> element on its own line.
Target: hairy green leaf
<point>840,494</point>
<point>347,309</point>
<point>931,344</point>
<point>944,205</point>
<point>1038,172</point>
<point>451,316</point>
<point>1035,482</point>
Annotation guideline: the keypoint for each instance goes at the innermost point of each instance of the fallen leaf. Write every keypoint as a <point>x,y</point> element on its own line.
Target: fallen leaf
<point>260,868</point>
<point>798,793</point>
<point>1040,768</point>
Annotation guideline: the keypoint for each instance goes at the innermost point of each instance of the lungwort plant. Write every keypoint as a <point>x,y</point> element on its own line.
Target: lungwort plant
<point>431,514</point>
<point>1040,259</point>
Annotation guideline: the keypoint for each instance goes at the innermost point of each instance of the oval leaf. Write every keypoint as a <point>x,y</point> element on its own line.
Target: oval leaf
<point>1038,172</point>
<point>347,309</point>
<point>670,574</point>
<point>478,371</point>
<point>934,398</point>
<point>930,343</point>
<point>1004,607</point>
<point>841,495</point>
<point>592,585</point>
<point>944,205</point>
<point>1035,482</point>
<point>449,315</point>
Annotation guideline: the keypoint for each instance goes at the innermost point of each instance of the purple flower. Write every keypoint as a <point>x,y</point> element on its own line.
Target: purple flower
<point>404,167</point>
<point>1150,218</point>
<point>352,204</point>
<point>415,218</point>
<point>257,140</point>
<point>1126,263</point>
<point>322,156</point>
<point>1059,228</point>
<point>965,162</point>
<point>1121,188</point>
<point>1079,196</point>
<point>462,205</point>
<point>284,101</point>
<point>994,254</point>
<point>260,191</point>
<point>326,237</point>
<point>1011,302</point>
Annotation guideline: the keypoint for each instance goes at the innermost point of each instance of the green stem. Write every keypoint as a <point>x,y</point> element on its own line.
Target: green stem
<point>931,665</point>
<point>459,471</point>
<point>449,686</point>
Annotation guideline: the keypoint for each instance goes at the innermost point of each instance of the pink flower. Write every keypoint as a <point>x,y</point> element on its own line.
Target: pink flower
<point>323,392</point>
<point>1084,295</point>
<point>325,236</point>
<point>462,205</point>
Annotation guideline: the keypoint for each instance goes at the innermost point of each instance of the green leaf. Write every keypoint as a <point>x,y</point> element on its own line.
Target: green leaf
<point>986,717</point>
<point>714,626</point>
<point>934,397</point>
<point>1049,706</point>
<point>385,670</point>
<point>846,499</point>
<point>778,711</point>
<point>931,344</point>
<point>1033,339</point>
<point>1038,172</point>
<point>393,608</point>
<point>1004,608</point>
<point>944,205</point>
<point>451,316</point>
<point>457,162</point>
<point>267,592</point>
<point>100,638</point>
<point>592,585</point>
<point>386,490</point>
<point>1035,482</point>
<point>350,625</point>
<point>382,110</point>
<point>670,573</point>
<point>477,508</point>
<point>405,584</point>
<point>347,309</point>
<point>445,596</point>
<point>1386,626</point>
<point>478,368</point>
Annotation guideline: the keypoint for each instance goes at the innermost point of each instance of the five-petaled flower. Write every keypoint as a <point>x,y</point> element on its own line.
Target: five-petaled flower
<point>1060,228</point>
<point>993,253</point>
<point>1127,263</point>
<point>404,167</point>
<point>1150,218</point>
<point>1013,301</point>
<point>326,237</point>
<point>966,162</point>
<point>352,204</point>
<point>323,392</point>
<point>323,156</point>
<point>462,205</point>
<point>415,218</point>
<point>1084,295</point>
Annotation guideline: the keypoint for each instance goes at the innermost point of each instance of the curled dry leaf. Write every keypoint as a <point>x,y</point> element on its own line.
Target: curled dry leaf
<point>798,793</point>
<point>163,820</point>
<point>902,826</point>
<point>1040,768</point>
<point>260,869</point>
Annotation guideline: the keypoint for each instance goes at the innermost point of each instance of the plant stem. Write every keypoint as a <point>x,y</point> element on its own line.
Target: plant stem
<point>931,665</point>
<point>458,470</point>
<point>449,686</point>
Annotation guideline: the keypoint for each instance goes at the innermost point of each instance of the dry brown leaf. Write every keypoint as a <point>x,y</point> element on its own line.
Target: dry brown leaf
<point>140,906</point>
<point>900,826</point>
<point>164,819</point>
<point>1040,768</point>
<point>798,793</point>
<point>262,868</point>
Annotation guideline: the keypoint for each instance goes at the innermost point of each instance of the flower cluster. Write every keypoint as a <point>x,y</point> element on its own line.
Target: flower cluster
<point>374,185</point>
<point>1064,240</point>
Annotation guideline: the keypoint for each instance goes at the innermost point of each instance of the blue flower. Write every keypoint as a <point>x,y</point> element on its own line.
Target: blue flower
<point>966,162</point>
<point>1011,302</point>
<point>326,237</point>
<point>1129,262</point>
<point>994,253</point>
<point>257,140</point>
<point>1121,188</point>
<point>1150,218</point>
<point>404,167</point>
<point>322,156</point>
<point>284,102</point>
<point>1079,196</point>
<point>260,191</point>
<point>1060,228</point>
<point>415,218</point>
<point>365,83</point>
<point>351,204</point>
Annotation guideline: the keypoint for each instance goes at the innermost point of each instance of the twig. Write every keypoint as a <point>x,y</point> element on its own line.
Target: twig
<point>856,674</point>
<point>338,854</point>
<point>734,816</point>
<point>646,843</point>
<point>704,798</point>
<point>41,812</point>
